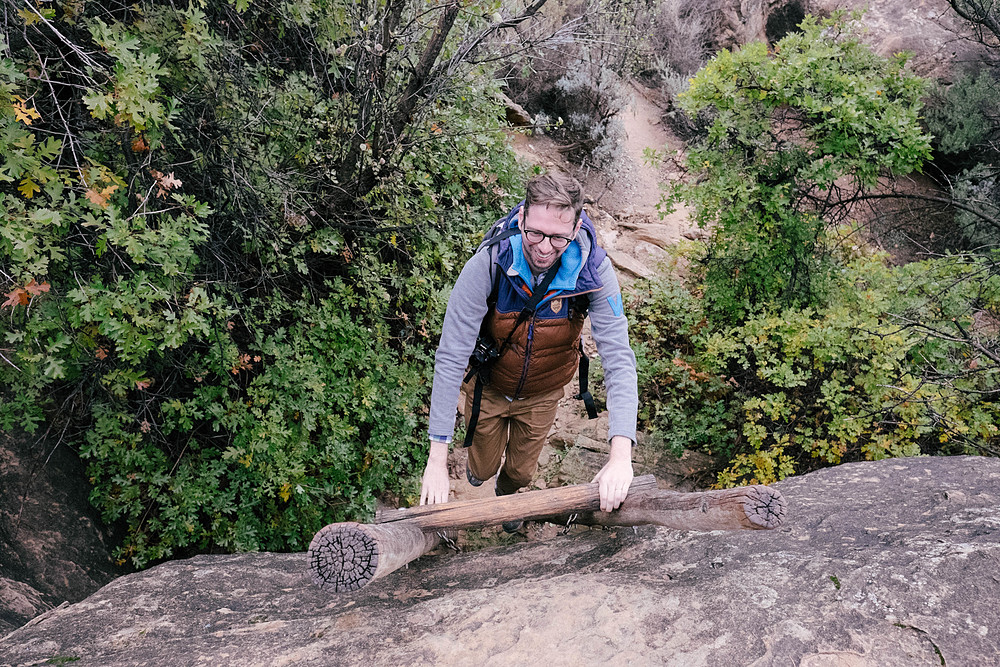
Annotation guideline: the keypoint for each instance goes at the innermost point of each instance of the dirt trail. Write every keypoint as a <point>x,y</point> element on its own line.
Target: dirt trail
<point>633,186</point>
<point>631,190</point>
<point>625,195</point>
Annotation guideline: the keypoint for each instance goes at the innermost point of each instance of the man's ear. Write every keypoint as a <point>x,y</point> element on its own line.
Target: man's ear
<point>520,218</point>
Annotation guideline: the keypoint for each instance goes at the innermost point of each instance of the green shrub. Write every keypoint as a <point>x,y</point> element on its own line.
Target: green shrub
<point>792,390</point>
<point>224,257</point>
<point>808,352</point>
<point>961,115</point>
<point>792,133</point>
<point>963,118</point>
<point>683,406</point>
<point>319,419</point>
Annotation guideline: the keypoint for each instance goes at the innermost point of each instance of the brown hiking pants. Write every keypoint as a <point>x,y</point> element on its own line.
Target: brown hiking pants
<point>517,427</point>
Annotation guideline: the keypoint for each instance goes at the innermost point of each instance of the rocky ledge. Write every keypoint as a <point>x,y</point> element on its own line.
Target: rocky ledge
<point>879,564</point>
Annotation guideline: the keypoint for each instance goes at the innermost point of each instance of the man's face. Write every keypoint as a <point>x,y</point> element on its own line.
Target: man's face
<point>550,221</point>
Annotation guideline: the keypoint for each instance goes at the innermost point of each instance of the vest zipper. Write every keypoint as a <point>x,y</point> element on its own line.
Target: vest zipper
<point>527,356</point>
<point>531,338</point>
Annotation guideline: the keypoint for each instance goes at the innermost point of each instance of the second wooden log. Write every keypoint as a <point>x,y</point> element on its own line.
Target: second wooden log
<point>493,511</point>
<point>742,508</point>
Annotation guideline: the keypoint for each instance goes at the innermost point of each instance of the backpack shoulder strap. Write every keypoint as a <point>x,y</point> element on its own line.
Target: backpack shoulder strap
<point>490,241</point>
<point>497,233</point>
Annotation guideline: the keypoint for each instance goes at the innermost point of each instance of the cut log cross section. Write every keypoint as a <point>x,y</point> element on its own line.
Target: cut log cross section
<point>345,557</point>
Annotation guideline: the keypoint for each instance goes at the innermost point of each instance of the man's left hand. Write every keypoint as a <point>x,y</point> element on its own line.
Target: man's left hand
<point>616,475</point>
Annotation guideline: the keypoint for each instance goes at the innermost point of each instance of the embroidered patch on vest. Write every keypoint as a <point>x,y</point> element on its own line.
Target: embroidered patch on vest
<point>555,305</point>
<point>616,304</point>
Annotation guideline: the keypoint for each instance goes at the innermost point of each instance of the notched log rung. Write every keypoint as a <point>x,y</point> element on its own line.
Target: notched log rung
<point>493,511</point>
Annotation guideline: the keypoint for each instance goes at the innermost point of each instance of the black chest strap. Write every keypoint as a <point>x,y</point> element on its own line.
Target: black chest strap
<point>584,395</point>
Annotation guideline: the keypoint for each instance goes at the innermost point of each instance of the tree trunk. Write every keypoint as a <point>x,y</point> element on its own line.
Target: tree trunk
<point>420,74</point>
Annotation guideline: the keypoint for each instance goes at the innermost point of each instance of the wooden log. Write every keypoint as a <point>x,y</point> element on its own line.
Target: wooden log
<point>578,498</point>
<point>746,507</point>
<point>344,557</point>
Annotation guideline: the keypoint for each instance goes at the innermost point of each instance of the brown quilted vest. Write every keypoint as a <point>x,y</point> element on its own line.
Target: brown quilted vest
<point>546,362</point>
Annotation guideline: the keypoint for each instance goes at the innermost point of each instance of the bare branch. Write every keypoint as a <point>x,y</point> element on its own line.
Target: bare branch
<point>470,45</point>
<point>948,201</point>
<point>421,73</point>
<point>984,15</point>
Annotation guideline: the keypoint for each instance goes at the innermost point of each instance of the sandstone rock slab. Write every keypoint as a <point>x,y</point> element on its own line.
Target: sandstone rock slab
<point>892,563</point>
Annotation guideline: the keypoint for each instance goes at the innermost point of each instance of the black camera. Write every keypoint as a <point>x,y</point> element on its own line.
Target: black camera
<point>484,354</point>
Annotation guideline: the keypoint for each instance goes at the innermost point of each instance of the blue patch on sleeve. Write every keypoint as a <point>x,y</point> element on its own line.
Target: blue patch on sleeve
<point>616,304</point>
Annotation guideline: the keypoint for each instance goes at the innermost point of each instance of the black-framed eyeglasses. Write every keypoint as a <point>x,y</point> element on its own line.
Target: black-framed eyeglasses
<point>535,236</point>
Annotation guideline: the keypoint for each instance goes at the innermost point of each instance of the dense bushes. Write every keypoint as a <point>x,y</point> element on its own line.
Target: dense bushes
<point>789,347</point>
<point>226,232</point>
<point>683,406</point>
<point>793,133</point>
<point>789,390</point>
<point>962,117</point>
<point>325,419</point>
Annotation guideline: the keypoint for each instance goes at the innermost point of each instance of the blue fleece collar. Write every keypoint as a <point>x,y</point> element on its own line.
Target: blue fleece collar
<point>569,270</point>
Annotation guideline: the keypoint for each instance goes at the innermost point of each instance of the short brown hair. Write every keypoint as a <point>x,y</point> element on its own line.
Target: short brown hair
<point>555,188</point>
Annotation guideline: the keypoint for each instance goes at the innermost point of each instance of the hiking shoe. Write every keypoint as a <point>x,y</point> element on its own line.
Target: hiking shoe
<point>509,527</point>
<point>473,480</point>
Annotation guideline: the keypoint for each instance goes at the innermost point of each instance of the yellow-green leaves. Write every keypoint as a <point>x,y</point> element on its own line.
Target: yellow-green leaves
<point>789,390</point>
<point>132,95</point>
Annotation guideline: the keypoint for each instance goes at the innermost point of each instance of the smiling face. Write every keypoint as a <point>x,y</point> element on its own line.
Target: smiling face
<point>551,221</point>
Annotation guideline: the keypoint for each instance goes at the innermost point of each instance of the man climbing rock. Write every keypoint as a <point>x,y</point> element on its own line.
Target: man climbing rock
<point>514,318</point>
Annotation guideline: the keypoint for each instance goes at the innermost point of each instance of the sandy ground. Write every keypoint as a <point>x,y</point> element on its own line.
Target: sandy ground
<point>623,199</point>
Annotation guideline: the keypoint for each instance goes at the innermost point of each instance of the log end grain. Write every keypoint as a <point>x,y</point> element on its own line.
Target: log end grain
<point>343,557</point>
<point>764,507</point>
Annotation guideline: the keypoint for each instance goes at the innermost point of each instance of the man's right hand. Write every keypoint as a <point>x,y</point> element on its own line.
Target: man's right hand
<point>435,484</point>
